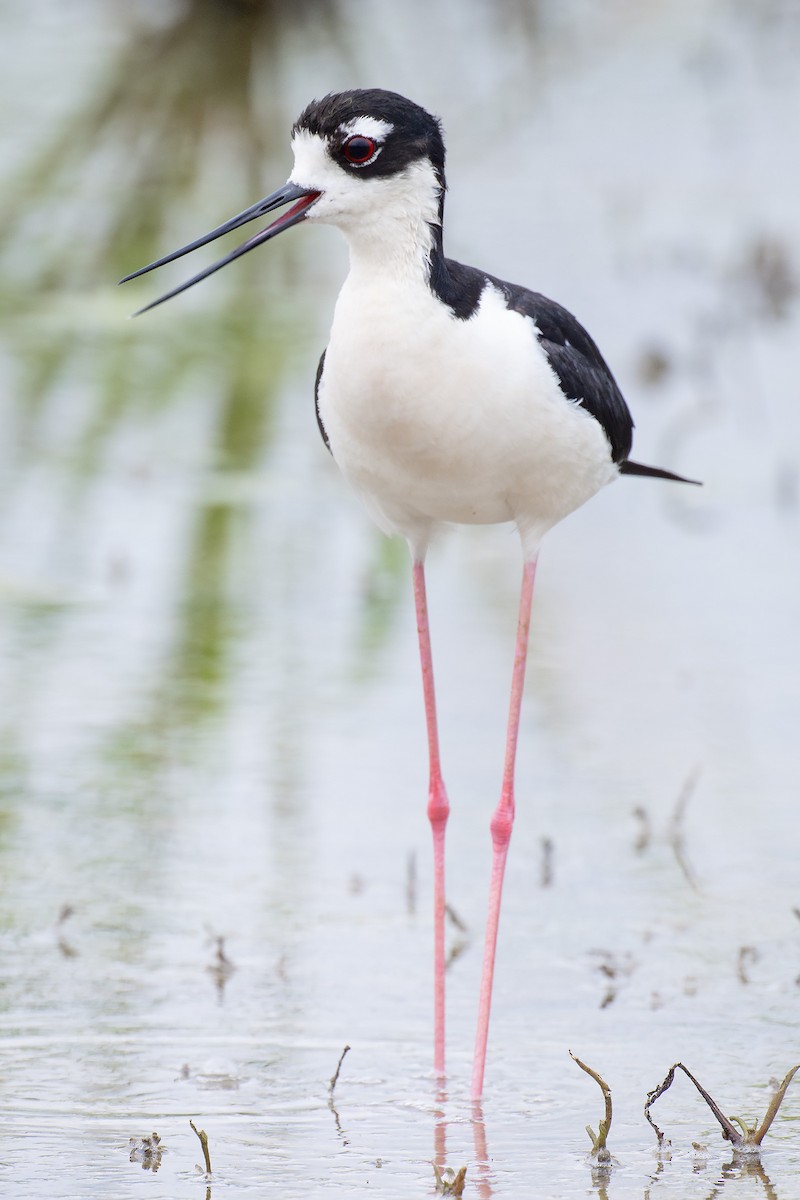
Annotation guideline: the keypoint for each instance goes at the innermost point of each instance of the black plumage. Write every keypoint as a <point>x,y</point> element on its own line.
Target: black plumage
<point>323,431</point>
<point>583,374</point>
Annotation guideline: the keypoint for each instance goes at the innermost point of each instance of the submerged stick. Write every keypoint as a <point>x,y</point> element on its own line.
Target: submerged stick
<point>203,1136</point>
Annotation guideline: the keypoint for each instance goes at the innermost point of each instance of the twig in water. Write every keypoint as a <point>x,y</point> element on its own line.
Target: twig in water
<point>460,943</point>
<point>456,920</point>
<point>677,838</point>
<point>547,862</point>
<point>600,1150</point>
<point>456,950</point>
<point>335,1075</point>
<point>750,1137</point>
<point>613,970</point>
<point>203,1136</point>
<point>221,968</point>
<point>728,1131</point>
<point>66,947</point>
<point>331,1104</point>
<point>774,1105</point>
<point>448,1181</point>
<point>645,833</point>
<point>748,955</point>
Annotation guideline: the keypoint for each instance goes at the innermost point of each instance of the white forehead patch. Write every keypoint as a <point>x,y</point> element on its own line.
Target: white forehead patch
<point>312,164</point>
<point>371,127</point>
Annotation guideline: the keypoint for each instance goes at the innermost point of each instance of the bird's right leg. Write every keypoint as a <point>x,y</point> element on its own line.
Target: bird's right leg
<point>501,826</point>
<point>438,812</point>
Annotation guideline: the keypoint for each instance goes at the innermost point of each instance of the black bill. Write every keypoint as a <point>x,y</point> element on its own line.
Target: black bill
<point>303,199</point>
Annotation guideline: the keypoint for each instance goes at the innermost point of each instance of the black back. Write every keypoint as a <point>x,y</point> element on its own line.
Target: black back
<point>582,372</point>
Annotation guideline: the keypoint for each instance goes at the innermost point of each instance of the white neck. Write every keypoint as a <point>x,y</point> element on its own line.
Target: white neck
<point>389,230</point>
<point>387,220</point>
<point>398,245</point>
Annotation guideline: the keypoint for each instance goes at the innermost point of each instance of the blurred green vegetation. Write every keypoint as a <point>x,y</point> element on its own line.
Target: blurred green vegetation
<point>182,123</point>
<point>170,129</point>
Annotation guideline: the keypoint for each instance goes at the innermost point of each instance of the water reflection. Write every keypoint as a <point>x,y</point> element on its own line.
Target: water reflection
<point>451,1179</point>
<point>440,1129</point>
<point>482,1161</point>
<point>220,968</point>
<point>740,1167</point>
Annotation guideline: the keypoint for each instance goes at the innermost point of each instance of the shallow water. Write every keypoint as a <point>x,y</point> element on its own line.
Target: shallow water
<point>214,854</point>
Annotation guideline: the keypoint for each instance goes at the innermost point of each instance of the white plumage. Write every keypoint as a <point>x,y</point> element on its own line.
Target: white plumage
<point>431,418</point>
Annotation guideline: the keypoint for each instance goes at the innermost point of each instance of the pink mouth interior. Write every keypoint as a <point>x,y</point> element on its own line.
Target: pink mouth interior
<point>299,206</point>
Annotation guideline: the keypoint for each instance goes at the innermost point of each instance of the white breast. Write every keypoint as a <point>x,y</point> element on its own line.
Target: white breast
<point>435,419</point>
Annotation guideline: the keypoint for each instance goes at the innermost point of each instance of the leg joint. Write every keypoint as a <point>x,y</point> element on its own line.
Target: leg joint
<point>501,825</point>
<point>438,804</point>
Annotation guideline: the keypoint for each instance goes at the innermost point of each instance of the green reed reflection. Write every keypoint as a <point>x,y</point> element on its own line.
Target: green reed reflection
<point>169,135</point>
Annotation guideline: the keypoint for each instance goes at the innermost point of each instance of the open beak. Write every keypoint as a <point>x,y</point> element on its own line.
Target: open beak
<point>303,199</point>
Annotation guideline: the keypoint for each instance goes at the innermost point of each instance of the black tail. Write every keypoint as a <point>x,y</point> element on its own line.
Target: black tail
<point>632,468</point>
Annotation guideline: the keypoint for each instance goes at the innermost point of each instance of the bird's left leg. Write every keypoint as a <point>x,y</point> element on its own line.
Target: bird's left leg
<point>501,826</point>
<point>438,812</point>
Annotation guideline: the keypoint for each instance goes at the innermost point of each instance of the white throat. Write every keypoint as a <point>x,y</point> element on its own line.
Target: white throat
<point>399,236</point>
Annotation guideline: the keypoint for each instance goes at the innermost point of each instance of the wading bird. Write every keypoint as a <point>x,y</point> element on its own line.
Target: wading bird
<point>444,395</point>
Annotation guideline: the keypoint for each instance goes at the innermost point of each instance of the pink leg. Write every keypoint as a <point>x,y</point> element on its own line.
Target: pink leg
<point>501,826</point>
<point>438,811</point>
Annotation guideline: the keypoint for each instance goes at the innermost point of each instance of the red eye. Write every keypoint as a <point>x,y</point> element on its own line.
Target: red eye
<point>359,150</point>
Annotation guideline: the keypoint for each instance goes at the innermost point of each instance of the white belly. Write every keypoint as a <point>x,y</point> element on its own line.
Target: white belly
<point>434,419</point>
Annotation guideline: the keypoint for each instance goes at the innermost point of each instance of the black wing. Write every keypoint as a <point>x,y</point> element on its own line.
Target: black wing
<point>582,371</point>
<point>584,375</point>
<point>320,369</point>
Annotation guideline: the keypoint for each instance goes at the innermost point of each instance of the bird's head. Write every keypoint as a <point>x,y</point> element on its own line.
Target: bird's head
<point>369,161</point>
<point>372,156</point>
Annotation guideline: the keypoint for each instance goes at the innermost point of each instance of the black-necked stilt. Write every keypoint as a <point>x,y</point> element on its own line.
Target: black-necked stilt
<point>444,395</point>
